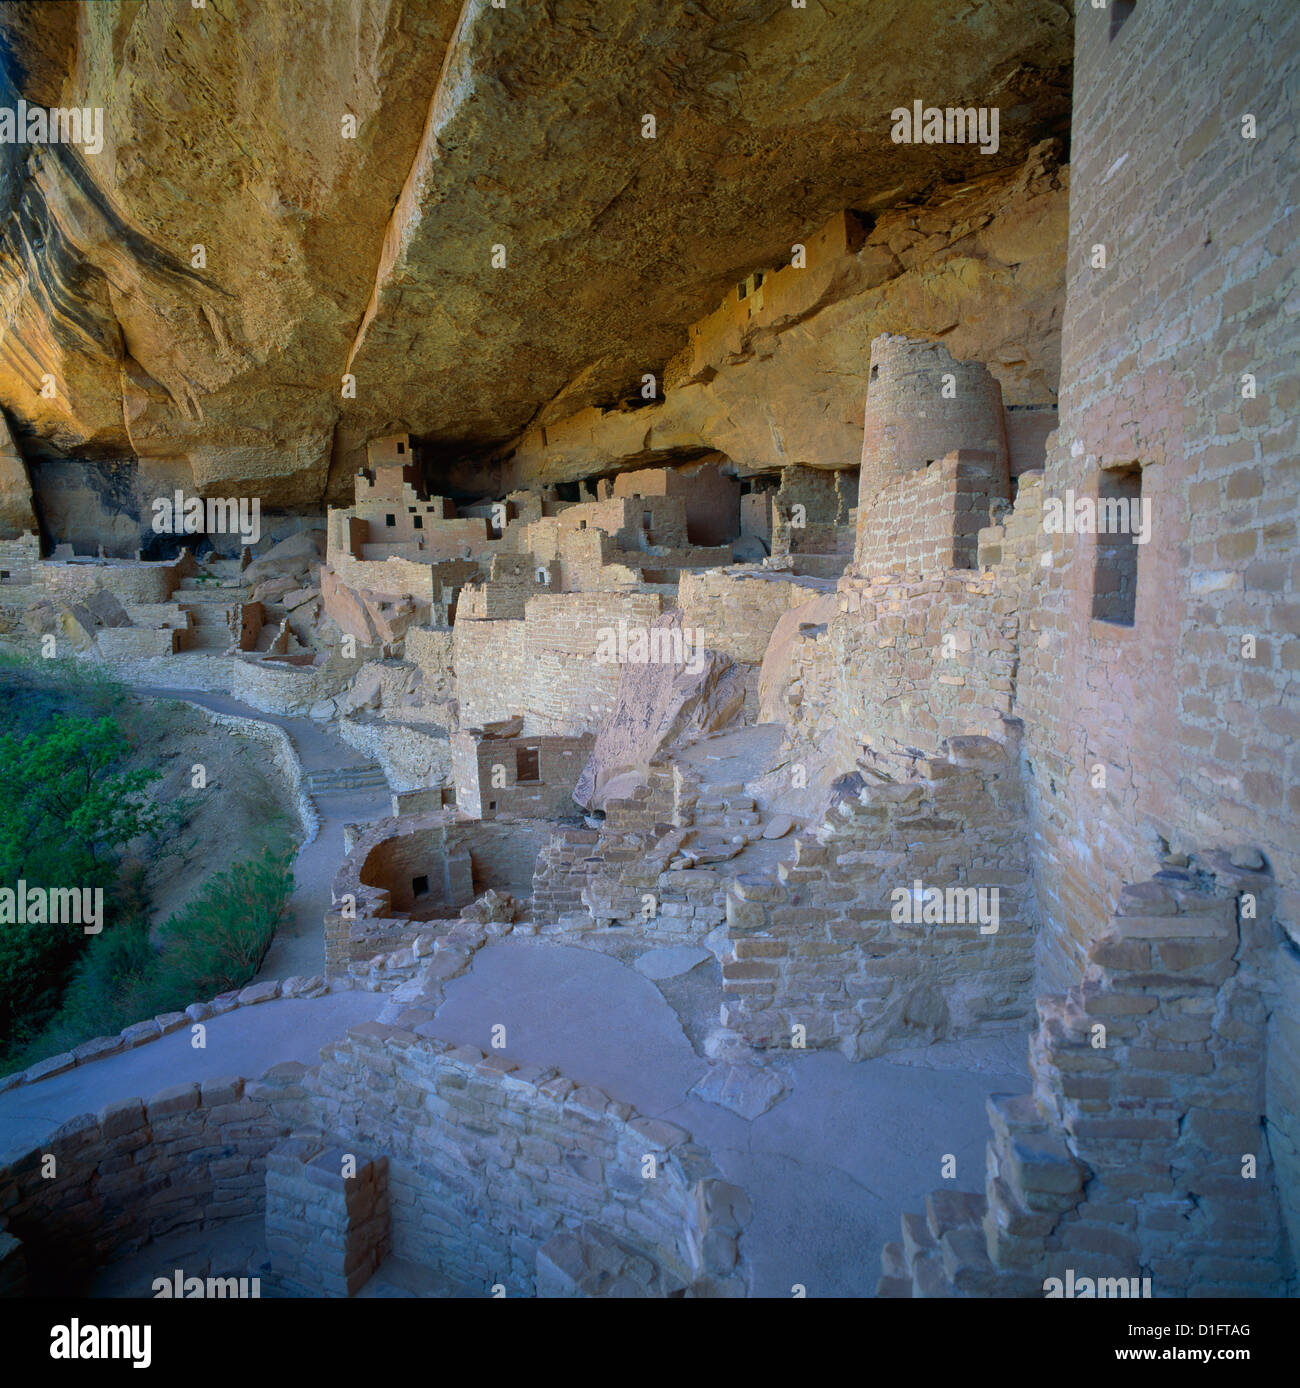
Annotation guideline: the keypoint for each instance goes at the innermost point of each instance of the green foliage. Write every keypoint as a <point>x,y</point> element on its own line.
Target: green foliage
<point>66,811</point>
<point>218,940</point>
<point>215,943</point>
<point>64,808</point>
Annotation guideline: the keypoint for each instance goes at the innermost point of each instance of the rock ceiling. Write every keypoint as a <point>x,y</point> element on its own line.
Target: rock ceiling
<point>476,127</point>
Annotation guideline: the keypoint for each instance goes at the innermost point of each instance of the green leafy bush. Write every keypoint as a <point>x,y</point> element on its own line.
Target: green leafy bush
<point>213,944</point>
<point>66,811</point>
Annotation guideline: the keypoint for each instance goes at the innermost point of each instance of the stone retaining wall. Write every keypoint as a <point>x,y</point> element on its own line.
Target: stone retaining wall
<point>819,946</point>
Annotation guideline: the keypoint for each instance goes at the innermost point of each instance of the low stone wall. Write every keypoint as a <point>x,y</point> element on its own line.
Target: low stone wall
<point>283,755</point>
<point>825,945</point>
<point>130,643</point>
<point>411,758</point>
<point>490,1161</point>
<point>483,1170</point>
<point>193,1156</point>
<point>141,1033</point>
<point>287,690</point>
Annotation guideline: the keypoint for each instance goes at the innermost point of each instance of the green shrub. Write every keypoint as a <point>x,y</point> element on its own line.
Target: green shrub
<point>213,944</point>
<point>66,811</point>
<point>220,937</point>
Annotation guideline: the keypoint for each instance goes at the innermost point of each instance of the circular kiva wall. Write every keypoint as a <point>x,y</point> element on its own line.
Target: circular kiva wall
<point>436,865</point>
<point>105,1185</point>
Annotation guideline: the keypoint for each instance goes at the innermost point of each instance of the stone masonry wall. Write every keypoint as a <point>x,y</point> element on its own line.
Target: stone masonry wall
<point>489,1161</point>
<point>1142,1151</point>
<point>920,661</point>
<point>193,1156</point>
<point>545,667</point>
<point>1198,739</point>
<point>736,610</point>
<point>819,947</point>
<point>928,521</point>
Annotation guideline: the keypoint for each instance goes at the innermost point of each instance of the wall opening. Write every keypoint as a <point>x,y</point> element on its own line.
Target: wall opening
<point>527,767</point>
<point>390,520</point>
<point>419,886</point>
<point>1114,584</point>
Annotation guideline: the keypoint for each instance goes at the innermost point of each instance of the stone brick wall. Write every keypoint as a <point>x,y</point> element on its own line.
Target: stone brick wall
<point>492,670</point>
<point>928,520</point>
<point>920,661</point>
<point>909,421</point>
<point>545,667</point>
<point>1196,740</point>
<point>478,764</point>
<point>817,946</point>
<point>133,643</point>
<point>392,576</point>
<point>1029,427</point>
<point>193,1156</point>
<point>736,610</point>
<point>489,1161</point>
<point>128,582</point>
<point>712,501</point>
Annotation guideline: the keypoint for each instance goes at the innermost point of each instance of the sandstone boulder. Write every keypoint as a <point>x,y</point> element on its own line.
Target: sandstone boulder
<point>657,706</point>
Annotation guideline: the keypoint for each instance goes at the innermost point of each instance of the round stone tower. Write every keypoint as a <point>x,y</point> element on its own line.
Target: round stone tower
<point>915,416</point>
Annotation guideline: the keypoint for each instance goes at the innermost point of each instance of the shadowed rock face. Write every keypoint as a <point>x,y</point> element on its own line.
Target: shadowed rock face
<point>476,127</point>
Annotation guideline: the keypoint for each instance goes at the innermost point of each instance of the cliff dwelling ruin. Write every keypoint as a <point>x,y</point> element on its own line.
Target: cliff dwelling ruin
<point>776,640</point>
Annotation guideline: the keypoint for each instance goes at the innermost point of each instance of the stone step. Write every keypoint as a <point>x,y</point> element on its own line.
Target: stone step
<point>894,1287</point>
<point>1014,1113</point>
<point>917,1238</point>
<point>966,1262</point>
<point>1037,1165</point>
<point>946,1210</point>
<point>366,777</point>
<point>928,1279</point>
<point>893,1263</point>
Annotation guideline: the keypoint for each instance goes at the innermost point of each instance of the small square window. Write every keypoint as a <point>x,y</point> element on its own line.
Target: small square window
<point>492,804</point>
<point>646,520</point>
<point>401,448</point>
<point>419,886</point>
<point>419,522</point>
<point>390,520</point>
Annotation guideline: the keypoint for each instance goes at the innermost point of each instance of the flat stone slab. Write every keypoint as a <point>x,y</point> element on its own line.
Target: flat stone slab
<point>749,1090</point>
<point>778,827</point>
<point>670,962</point>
